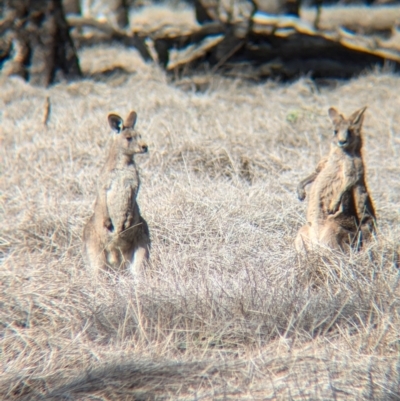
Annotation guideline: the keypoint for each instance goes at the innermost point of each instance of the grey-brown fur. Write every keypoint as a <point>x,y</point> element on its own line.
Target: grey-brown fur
<point>116,235</point>
<point>340,211</point>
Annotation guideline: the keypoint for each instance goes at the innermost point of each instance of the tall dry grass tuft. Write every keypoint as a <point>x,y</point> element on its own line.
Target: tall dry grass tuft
<point>227,309</point>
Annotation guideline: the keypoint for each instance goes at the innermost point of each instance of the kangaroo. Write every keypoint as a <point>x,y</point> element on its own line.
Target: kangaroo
<point>116,235</point>
<point>340,211</point>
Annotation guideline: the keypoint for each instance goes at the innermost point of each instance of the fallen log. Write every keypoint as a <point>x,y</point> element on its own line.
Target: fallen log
<point>268,45</point>
<point>105,34</point>
<point>229,12</point>
<point>169,38</point>
<point>285,47</point>
<point>359,19</point>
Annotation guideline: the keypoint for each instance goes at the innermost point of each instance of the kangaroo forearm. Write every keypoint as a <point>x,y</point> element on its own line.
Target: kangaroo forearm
<point>103,202</point>
<point>104,210</point>
<point>321,165</point>
<point>301,193</point>
<point>347,185</point>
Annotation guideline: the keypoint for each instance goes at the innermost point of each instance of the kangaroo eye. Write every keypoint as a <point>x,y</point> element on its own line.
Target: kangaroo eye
<point>129,138</point>
<point>335,132</point>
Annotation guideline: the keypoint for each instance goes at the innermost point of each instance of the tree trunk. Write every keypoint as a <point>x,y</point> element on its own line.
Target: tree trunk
<point>41,49</point>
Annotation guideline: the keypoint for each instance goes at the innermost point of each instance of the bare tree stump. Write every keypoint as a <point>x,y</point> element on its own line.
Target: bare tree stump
<point>41,49</point>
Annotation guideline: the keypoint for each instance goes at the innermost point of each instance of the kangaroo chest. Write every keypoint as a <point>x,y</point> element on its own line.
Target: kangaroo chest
<point>121,198</point>
<point>328,185</point>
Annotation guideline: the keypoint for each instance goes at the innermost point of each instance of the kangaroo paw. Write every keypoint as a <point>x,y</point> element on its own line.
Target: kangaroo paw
<point>108,224</point>
<point>301,194</point>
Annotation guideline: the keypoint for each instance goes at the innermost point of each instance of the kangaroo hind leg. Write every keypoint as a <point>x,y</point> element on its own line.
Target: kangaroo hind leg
<point>140,255</point>
<point>95,253</point>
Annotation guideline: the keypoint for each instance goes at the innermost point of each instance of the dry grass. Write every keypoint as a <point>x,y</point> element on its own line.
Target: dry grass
<point>226,310</point>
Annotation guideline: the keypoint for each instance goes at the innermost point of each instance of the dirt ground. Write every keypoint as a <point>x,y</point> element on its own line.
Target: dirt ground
<point>226,309</point>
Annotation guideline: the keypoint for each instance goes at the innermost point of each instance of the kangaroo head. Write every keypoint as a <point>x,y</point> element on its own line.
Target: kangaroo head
<point>347,131</point>
<point>127,140</point>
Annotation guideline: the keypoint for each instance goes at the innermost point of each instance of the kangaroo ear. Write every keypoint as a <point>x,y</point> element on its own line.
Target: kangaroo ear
<point>131,120</point>
<point>357,118</point>
<point>116,122</point>
<point>335,116</point>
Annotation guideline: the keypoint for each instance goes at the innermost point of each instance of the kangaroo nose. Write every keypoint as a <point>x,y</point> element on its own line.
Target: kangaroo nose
<point>144,148</point>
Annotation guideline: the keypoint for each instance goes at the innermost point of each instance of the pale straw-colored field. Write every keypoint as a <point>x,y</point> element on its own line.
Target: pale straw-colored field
<point>226,310</point>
